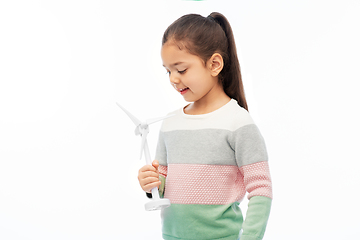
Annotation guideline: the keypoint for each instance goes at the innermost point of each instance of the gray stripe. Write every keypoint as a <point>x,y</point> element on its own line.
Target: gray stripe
<point>212,146</point>
<point>206,146</point>
<point>161,151</point>
<point>249,144</point>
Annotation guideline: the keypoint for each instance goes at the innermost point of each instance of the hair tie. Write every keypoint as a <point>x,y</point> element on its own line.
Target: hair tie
<point>211,18</point>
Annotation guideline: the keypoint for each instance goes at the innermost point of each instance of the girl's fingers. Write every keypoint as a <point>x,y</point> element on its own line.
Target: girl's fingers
<point>147,168</point>
<point>147,187</point>
<point>147,174</point>
<point>155,164</point>
<point>149,181</point>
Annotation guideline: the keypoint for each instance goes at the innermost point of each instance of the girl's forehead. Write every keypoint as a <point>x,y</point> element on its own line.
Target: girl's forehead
<point>171,53</point>
<point>173,42</point>
<point>172,46</point>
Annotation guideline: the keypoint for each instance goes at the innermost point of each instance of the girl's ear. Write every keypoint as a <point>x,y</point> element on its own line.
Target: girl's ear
<point>216,64</point>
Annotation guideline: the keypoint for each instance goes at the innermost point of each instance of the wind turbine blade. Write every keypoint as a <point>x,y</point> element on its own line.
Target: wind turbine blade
<point>154,120</point>
<point>132,117</point>
<point>143,139</point>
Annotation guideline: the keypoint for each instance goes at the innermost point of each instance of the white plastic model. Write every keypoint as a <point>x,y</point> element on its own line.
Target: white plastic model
<point>142,128</point>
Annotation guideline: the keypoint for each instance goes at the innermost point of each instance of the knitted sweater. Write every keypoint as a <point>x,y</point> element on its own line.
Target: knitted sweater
<point>210,161</point>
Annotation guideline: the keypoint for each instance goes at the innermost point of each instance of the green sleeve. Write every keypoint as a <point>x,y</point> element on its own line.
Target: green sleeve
<point>257,216</point>
<point>162,186</point>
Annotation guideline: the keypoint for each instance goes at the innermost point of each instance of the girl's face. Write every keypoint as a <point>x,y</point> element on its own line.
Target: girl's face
<point>189,75</point>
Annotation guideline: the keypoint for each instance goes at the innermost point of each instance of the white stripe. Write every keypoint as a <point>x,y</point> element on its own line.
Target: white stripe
<point>229,117</point>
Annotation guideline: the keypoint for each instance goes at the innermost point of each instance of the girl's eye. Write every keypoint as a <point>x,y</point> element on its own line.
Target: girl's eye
<point>182,72</point>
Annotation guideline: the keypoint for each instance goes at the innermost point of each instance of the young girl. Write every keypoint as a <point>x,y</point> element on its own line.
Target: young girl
<point>210,153</point>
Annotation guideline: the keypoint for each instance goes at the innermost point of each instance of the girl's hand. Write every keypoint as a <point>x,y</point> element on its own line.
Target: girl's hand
<point>149,176</point>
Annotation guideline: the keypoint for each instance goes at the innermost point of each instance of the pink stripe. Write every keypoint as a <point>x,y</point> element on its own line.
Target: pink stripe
<point>257,179</point>
<point>204,184</point>
<point>163,170</point>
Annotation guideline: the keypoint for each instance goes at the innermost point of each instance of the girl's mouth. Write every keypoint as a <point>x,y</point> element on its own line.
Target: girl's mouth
<point>183,90</point>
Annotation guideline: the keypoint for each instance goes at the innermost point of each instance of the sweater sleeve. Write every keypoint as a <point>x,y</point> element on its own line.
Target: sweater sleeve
<point>252,160</point>
<point>257,216</point>
<point>161,153</point>
<point>161,156</point>
<point>258,184</point>
<point>162,177</point>
<point>161,187</point>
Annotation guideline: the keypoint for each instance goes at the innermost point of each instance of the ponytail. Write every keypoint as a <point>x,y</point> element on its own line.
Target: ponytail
<point>231,77</point>
<point>205,36</point>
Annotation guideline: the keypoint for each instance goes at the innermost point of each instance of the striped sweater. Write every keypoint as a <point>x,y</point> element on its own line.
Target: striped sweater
<point>209,162</point>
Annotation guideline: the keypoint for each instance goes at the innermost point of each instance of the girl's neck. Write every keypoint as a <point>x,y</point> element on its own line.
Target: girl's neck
<point>207,105</point>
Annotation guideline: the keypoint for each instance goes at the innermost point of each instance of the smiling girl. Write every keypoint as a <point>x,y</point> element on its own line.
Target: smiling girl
<point>211,152</point>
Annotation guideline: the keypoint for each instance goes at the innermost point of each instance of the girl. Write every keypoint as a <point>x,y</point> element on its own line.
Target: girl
<point>210,153</point>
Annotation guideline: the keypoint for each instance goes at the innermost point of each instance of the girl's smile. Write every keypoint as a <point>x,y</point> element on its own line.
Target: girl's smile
<point>183,90</point>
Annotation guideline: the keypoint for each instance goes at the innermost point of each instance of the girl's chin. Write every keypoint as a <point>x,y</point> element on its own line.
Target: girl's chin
<point>190,99</point>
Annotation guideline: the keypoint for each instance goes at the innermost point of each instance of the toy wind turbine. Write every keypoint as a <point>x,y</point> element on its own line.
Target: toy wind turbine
<point>142,128</point>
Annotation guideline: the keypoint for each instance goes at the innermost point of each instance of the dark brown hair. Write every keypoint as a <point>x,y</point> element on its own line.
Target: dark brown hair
<point>204,36</point>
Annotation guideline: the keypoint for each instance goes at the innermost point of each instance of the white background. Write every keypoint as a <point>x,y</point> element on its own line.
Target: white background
<point>69,156</point>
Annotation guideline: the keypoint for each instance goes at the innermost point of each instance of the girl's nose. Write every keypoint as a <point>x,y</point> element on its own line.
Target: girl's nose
<point>174,80</point>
